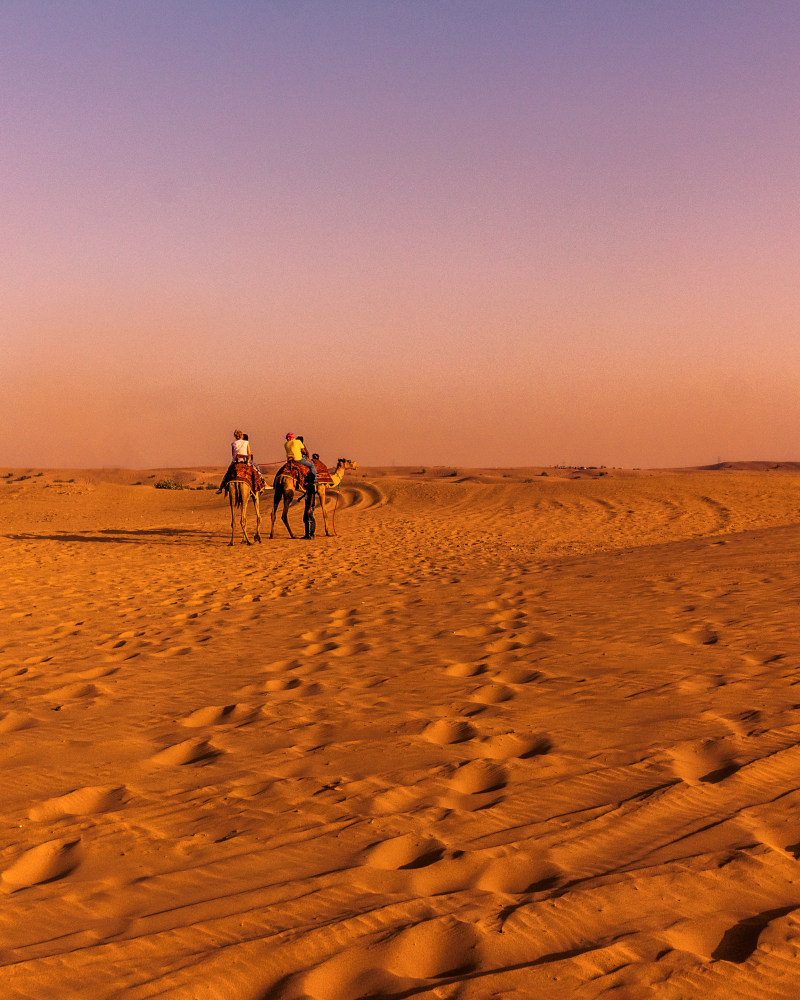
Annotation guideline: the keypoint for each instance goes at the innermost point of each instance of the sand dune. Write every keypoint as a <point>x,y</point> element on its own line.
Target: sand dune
<point>507,735</point>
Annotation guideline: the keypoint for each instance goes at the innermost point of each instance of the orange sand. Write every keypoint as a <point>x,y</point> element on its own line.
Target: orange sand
<point>506,736</point>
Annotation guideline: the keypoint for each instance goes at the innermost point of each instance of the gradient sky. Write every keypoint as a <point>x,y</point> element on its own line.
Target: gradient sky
<point>463,232</point>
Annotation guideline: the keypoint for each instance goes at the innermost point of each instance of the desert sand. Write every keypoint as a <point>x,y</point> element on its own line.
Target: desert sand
<point>507,735</point>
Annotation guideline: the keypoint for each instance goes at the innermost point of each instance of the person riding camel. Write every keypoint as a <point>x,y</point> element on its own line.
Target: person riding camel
<point>240,452</point>
<point>296,451</point>
<point>246,438</point>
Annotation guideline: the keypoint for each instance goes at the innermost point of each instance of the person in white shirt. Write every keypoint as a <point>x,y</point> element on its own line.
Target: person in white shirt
<point>240,452</point>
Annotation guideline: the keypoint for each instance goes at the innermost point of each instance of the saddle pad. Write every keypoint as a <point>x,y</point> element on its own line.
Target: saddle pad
<point>247,474</point>
<point>299,472</point>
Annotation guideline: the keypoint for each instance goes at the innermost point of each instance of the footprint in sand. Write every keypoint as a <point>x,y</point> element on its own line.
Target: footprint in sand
<point>278,665</point>
<point>698,937</point>
<point>347,649</point>
<point>519,872</point>
<point>112,645</point>
<point>95,672</point>
<point>478,776</point>
<point>509,614</point>
<point>465,669</point>
<point>172,651</point>
<point>399,800</point>
<point>503,646</point>
<point>517,675</point>
<point>220,715</point>
<point>44,863</point>
<point>703,635</point>
<point>448,731</point>
<point>12,722</point>
<point>194,751</point>
<point>10,672</point>
<point>427,950</point>
<point>278,685</point>
<point>507,746</point>
<point>492,694</point>
<point>477,631</point>
<point>433,948</point>
<point>73,692</point>
<point>81,802</point>
<point>407,851</point>
<point>703,762</point>
<point>315,648</point>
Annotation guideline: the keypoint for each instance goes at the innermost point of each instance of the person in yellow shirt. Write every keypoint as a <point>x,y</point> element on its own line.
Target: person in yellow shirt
<point>296,450</point>
<point>294,447</point>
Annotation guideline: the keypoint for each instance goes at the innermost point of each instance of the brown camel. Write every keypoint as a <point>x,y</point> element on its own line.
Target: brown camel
<point>239,494</point>
<point>285,490</point>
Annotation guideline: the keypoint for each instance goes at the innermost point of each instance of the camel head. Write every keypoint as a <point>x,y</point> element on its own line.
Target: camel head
<point>347,463</point>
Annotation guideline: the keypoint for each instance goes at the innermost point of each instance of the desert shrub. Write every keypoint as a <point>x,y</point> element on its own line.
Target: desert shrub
<point>168,484</point>
<point>210,486</point>
<point>542,473</point>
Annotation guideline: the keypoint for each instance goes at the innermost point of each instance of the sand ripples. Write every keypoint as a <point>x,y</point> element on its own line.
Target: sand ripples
<point>510,739</point>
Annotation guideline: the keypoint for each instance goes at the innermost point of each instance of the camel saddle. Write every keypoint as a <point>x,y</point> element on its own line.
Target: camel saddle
<point>245,474</point>
<point>298,472</point>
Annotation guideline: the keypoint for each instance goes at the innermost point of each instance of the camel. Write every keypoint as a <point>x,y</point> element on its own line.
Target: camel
<point>239,494</point>
<point>285,489</point>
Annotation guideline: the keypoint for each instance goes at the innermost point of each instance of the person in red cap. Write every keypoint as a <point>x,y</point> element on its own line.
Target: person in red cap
<point>296,449</point>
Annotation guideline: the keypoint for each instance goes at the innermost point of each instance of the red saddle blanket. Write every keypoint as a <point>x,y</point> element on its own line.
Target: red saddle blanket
<point>323,472</point>
<point>245,474</point>
<point>298,472</point>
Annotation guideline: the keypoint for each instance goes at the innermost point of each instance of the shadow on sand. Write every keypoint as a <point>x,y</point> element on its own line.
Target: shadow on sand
<point>117,536</point>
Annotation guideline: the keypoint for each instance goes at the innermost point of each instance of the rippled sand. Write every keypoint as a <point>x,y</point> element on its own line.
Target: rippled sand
<point>506,736</point>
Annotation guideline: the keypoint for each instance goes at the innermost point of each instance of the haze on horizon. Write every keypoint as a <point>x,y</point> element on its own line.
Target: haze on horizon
<point>463,233</point>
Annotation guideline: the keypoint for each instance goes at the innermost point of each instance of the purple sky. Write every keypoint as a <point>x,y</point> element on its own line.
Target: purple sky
<point>423,231</point>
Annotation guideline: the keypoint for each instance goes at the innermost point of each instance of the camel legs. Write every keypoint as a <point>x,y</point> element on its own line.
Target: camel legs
<point>286,493</point>
<point>322,499</point>
<point>257,535</point>
<point>321,495</point>
<point>274,513</point>
<point>245,502</point>
<point>239,495</point>
<point>288,496</point>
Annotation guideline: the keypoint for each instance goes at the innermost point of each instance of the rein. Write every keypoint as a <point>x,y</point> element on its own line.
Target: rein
<point>336,504</point>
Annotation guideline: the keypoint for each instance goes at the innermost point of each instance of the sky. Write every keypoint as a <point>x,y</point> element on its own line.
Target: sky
<point>435,232</point>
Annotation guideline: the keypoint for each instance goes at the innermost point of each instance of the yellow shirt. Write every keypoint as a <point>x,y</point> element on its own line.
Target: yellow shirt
<point>294,449</point>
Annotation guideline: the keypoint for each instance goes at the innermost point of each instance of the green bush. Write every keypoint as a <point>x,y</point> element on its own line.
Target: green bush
<point>168,484</point>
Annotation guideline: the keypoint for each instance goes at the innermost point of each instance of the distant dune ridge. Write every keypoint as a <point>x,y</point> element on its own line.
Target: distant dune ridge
<point>511,733</point>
